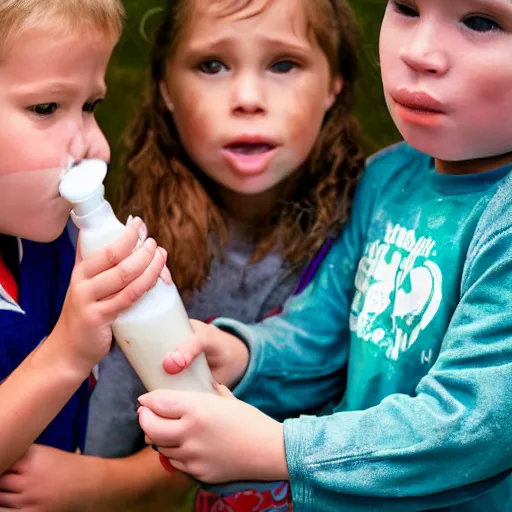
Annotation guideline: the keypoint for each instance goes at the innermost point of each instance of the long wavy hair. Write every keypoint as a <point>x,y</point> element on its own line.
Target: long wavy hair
<point>179,202</point>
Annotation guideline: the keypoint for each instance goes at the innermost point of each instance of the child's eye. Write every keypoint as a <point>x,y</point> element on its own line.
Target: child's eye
<point>91,107</point>
<point>481,24</point>
<point>44,109</point>
<point>405,10</point>
<point>284,66</point>
<point>211,67</point>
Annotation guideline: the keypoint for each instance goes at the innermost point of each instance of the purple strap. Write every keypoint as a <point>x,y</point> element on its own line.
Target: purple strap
<point>309,272</point>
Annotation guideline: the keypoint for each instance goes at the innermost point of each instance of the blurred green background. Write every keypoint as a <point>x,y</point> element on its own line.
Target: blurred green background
<point>128,73</point>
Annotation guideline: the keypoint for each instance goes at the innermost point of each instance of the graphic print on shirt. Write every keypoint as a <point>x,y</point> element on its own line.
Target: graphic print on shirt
<point>398,290</point>
<point>7,303</point>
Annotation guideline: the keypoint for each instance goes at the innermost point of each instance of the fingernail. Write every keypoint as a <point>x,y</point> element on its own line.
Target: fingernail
<point>166,464</point>
<point>130,220</point>
<point>148,243</point>
<point>166,275</point>
<point>178,358</point>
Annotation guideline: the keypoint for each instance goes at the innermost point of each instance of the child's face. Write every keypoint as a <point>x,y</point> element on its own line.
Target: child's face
<point>447,74</point>
<point>248,92</point>
<point>49,85</point>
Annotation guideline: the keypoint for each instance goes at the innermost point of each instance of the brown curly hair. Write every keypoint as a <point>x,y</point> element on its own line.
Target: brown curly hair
<point>179,203</point>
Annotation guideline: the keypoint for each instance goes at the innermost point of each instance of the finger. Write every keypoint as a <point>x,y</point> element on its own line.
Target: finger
<point>113,280</point>
<point>167,403</point>
<point>78,253</point>
<point>165,433</point>
<point>166,273</point>
<point>113,253</point>
<point>182,357</point>
<point>143,232</point>
<point>171,453</point>
<point>9,500</point>
<point>223,391</point>
<point>11,482</point>
<point>135,290</point>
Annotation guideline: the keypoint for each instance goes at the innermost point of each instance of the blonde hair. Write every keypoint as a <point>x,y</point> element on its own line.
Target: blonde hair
<point>64,16</point>
<point>179,203</point>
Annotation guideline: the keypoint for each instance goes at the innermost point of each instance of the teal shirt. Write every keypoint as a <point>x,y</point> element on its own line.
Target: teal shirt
<point>413,306</point>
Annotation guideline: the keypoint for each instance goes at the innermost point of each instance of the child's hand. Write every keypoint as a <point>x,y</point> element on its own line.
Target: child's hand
<point>214,438</point>
<point>227,355</point>
<point>101,287</point>
<point>49,479</point>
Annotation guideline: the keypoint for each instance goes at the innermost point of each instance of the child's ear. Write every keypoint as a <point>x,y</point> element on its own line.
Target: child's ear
<point>336,88</point>
<point>165,95</point>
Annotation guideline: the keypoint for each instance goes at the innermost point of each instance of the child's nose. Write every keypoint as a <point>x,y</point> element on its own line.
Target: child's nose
<point>248,95</point>
<point>77,147</point>
<point>99,146</point>
<point>89,144</point>
<point>424,52</point>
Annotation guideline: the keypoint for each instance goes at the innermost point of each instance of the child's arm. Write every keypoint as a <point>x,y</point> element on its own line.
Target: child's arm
<point>295,365</point>
<point>447,443</point>
<point>296,358</point>
<point>101,287</point>
<point>51,479</point>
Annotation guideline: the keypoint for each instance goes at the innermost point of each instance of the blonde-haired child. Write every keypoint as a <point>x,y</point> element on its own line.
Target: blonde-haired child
<point>55,314</point>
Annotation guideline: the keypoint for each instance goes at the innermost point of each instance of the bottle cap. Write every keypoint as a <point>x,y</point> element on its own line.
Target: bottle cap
<point>82,186</point>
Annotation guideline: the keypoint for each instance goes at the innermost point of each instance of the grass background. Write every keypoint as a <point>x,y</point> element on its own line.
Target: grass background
<point>128,73</point>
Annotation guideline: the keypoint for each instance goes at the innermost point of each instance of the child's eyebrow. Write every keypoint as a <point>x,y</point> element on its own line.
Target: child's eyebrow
<point>61,89</point>
<point>491,3</point>
<point>206,46</point>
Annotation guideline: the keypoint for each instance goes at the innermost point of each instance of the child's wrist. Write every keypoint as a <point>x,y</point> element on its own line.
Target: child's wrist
<point>55,353</point>
<point>239,360</point>
<point>270,460</point>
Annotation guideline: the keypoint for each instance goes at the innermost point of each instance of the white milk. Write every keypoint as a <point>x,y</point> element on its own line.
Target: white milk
<point>157,323</point>
<point>146,333</point>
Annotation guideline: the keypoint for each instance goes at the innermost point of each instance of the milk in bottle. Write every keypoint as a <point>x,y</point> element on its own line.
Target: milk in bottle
<point>157,323</point>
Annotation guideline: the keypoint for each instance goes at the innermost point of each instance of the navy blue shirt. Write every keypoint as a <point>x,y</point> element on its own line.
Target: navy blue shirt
<point>43,278</point>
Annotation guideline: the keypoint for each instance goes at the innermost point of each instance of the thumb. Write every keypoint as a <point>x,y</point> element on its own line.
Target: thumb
<point>182,357</point>
<point>78,252</point>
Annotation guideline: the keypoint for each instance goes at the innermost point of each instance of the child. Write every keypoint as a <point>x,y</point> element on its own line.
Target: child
<point>414,300</point>
<point>53,58</point>
<point>244,158</point>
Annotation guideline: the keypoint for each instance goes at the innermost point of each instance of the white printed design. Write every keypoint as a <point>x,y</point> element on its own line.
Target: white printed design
<point>398,290</point>
<point>7,303</point>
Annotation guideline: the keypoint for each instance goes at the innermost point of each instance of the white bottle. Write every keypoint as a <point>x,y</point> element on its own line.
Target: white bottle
<point>157,323</point>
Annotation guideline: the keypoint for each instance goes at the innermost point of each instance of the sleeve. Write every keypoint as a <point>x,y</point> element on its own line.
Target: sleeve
<point>297,358</point>
<point>452,439</point>
<point>113,428</point>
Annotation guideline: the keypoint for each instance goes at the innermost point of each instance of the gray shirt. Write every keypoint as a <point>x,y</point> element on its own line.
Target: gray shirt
<point>235,289</point>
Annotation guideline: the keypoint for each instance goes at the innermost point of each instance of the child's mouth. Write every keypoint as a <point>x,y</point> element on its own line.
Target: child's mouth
<point>67,165</point>
<point>249,158</point>
<point>249,149</point>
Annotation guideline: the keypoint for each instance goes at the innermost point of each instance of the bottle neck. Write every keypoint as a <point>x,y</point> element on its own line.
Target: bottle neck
<point>98,218</point>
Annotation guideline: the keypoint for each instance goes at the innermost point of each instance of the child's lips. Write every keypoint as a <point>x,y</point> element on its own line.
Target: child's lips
<point>244,148</point>
<point>249,158</point>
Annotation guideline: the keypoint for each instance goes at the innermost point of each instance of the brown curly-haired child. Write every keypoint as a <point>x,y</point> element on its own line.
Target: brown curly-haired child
<point>242,159</point>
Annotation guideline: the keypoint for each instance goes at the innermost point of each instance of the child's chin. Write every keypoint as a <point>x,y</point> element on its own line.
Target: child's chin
<point>45,234</point>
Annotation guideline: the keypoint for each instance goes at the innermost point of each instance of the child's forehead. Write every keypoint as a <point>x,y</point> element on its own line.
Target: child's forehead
<point>46,37</point>
<point>464,4</point>
<point>288,17</point>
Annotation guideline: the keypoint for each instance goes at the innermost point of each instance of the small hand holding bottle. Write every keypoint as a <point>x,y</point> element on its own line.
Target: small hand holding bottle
<point>214,438</point>
<point>101,287</point>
